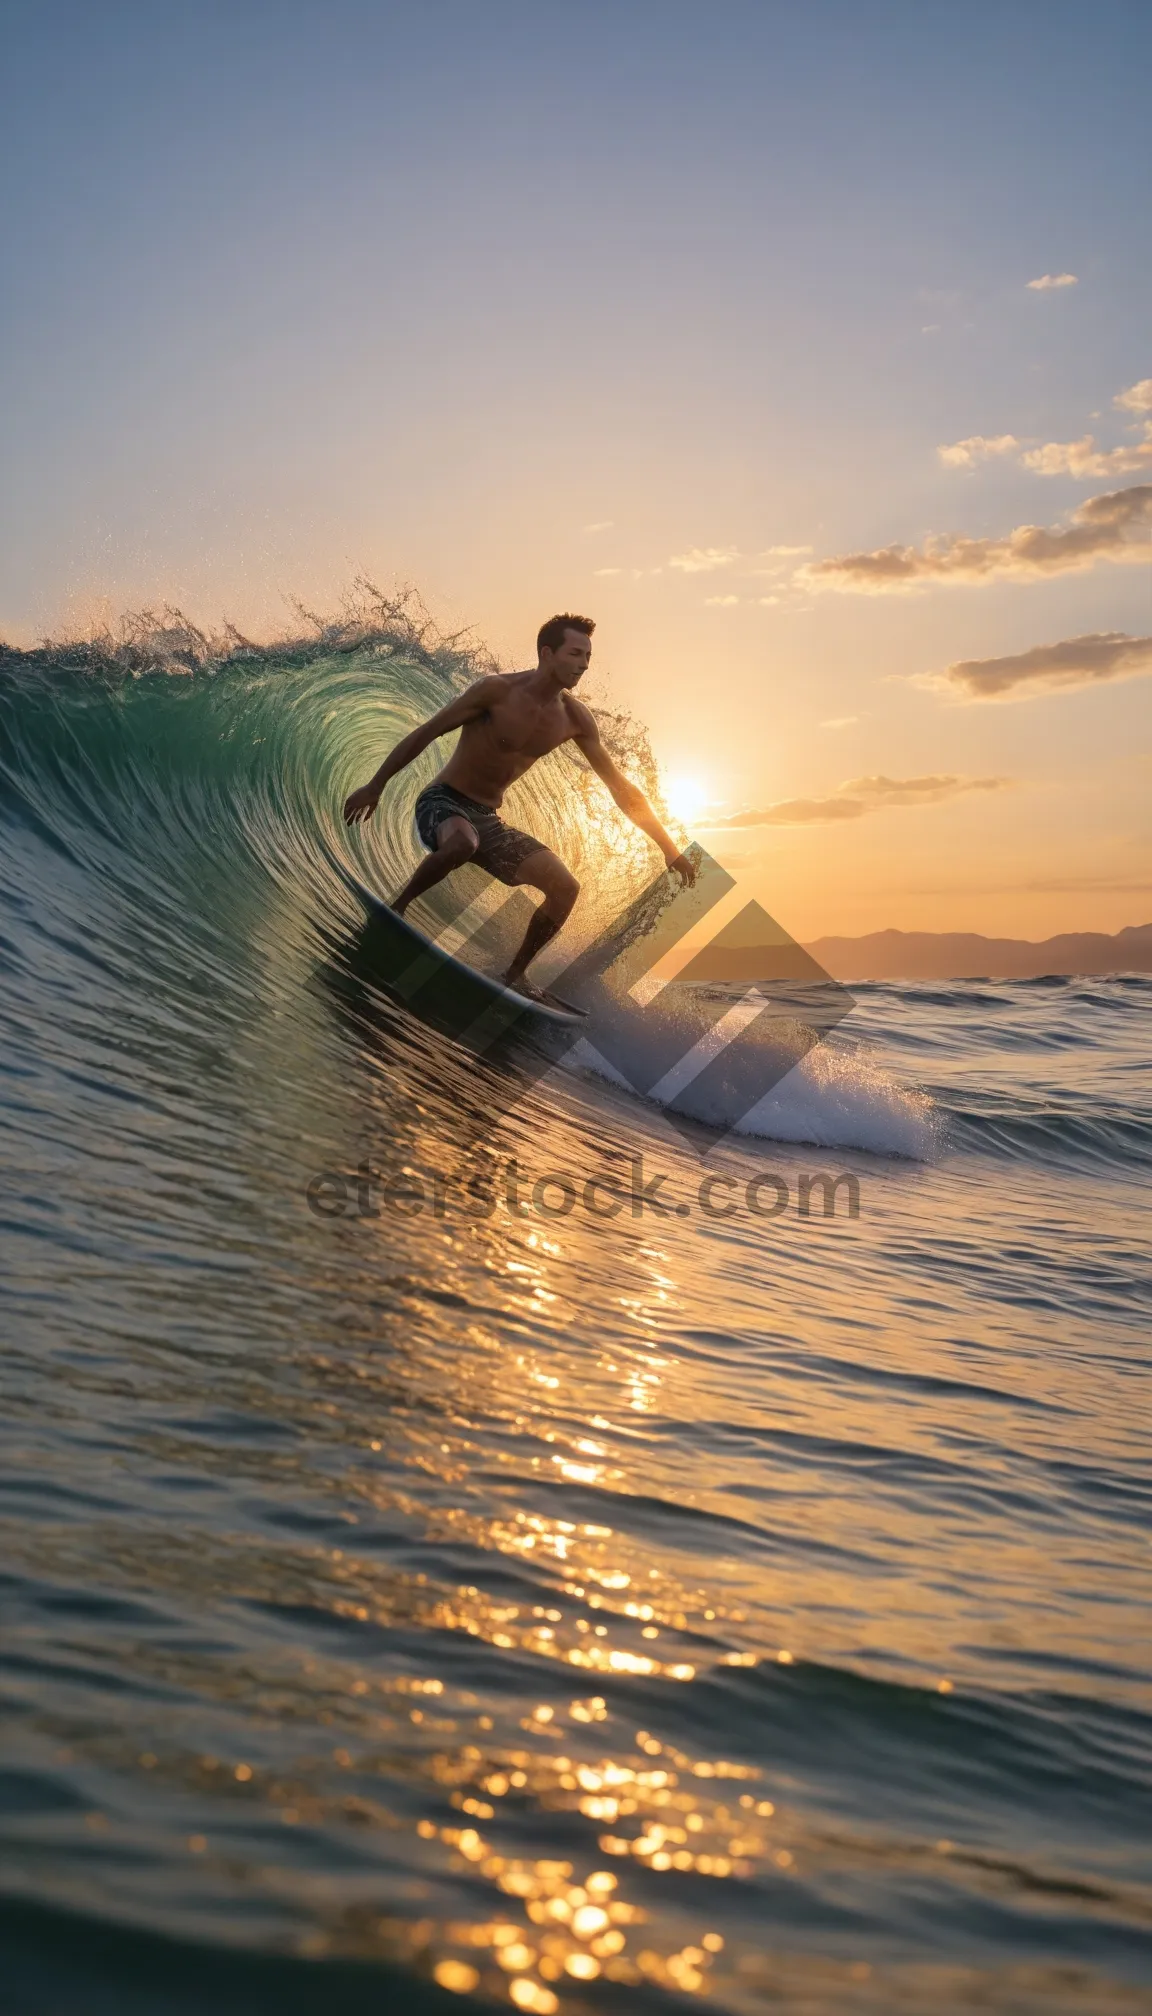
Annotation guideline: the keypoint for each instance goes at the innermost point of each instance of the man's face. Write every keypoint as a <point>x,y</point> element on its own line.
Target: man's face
<point>569,661</point>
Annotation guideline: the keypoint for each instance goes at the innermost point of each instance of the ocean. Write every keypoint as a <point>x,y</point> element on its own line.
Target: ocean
<point>466,1539</point>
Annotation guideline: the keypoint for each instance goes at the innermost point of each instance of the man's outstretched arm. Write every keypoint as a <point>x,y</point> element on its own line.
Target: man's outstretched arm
<point>361,804</point>
<point>630,798</point>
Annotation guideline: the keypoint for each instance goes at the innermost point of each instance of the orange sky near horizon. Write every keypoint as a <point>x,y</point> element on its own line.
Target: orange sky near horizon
<point>829,399</point>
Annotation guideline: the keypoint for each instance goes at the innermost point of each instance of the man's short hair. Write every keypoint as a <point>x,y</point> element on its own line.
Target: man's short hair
<point>552,632</point>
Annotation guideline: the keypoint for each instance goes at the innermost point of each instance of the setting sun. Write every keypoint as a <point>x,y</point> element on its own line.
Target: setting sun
<point>685,797</point>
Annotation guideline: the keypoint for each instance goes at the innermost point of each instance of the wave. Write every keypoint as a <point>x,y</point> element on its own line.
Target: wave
<point>1103,1142</point>
<point>181,792</point>
<point>1118,994</point>
<point>179,773</point>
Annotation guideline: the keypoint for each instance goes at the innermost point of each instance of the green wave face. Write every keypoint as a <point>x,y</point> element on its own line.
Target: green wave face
<point>170,762</point>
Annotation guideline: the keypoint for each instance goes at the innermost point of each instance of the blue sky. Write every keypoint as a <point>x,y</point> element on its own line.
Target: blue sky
<point>293,290</point>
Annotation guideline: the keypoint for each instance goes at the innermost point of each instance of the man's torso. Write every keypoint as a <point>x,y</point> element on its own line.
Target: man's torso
<point>514,732</point>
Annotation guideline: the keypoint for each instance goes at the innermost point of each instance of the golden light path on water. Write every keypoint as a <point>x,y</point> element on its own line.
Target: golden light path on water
<point>574,1611</point>
<point>661,1807</point>
<point>528,1393</point>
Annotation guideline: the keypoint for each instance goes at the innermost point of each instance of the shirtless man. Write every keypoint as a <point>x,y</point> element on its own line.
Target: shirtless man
<point>507,723</point>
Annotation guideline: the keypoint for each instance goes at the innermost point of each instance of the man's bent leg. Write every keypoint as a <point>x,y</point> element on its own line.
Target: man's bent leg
<point>543,870</point>
<point>456,842</point>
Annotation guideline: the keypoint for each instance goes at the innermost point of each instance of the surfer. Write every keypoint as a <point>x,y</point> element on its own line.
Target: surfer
<point>507,722</point>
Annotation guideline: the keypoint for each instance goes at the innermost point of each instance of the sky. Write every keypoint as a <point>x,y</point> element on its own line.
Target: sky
<point>807,348</point>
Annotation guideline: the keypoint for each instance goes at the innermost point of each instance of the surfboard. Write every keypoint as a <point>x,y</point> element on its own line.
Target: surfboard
<point>417,963</point>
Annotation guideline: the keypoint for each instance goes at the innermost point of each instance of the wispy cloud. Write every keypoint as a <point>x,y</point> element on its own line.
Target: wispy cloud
<point>1113,526</point>
<point>1049,280</point>
<point>977,448</point>
<point>1048,885</point>
<point>1081,458</point>
<point>1084,458</point>
<point>704,559</point>
<point>841,721</point>
<point>858,796</point>
<point>1076,661</point>
<point>769,560</point>
<point>917,790</point>
<point>1100,885</point>
<point>791,812</point>
<point>600,525</point>
<point>748,601</point>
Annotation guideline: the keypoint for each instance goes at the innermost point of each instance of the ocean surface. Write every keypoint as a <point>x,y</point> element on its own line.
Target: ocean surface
<point>430,1569</point>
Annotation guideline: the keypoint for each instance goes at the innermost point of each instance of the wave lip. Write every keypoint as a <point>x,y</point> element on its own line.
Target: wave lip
<point>835,1096</point>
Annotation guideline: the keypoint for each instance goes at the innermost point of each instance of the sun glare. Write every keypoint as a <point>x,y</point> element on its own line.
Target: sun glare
<point>686,797</point>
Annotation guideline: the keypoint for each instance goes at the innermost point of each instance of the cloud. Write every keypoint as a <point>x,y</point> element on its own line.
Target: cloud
<point>1077,661</point>
<point>600,525</point>
<point>775,561</point>
<point>917,790</point>
<point>841,721</point>
<point>1050,280</point>
<point>858,796</point>
<point>977,448</point>
<point>792,812</point>
<point>1084,458</point>
<point>1054,885</point>
<point>721,601</point>
<point>1113,526</point>
<point>1099,885</point>
<point>704,559</point>
<point>600,571</point>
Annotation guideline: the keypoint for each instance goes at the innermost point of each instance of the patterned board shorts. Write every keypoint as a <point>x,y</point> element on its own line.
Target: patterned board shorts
<point>502,848</point>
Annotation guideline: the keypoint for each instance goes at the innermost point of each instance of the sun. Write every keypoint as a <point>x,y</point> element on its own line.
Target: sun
<point>686,797</point>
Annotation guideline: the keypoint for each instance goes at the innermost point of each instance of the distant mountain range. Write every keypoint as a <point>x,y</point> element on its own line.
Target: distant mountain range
<point>958,955</point>
<point>752,946</point>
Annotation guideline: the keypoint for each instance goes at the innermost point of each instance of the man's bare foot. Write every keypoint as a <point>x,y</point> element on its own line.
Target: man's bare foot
<point>522,985</point>
<point>544,995</point>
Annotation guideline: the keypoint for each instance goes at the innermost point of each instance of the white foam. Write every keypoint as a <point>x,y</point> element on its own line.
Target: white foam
<point>834,1097</point>
<point>845,1099</point>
